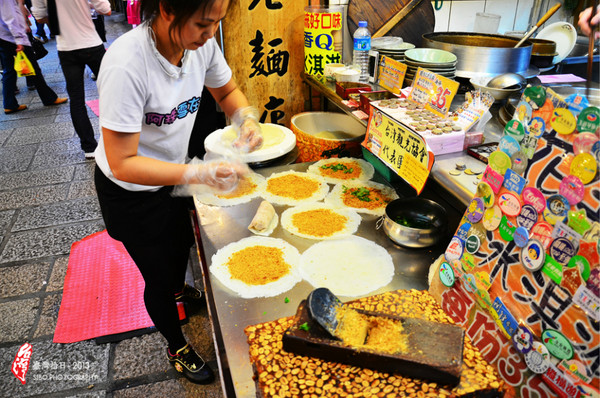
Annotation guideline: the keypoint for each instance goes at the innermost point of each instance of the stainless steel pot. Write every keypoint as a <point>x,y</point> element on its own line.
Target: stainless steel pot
<point>415,210</point>
<point>482,55</point>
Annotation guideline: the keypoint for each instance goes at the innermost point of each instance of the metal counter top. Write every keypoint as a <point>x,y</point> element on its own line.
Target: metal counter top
<point>230,314</point>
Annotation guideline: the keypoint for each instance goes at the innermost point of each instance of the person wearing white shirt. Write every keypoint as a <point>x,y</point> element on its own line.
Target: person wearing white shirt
<point>78,45</point>
<point>150,85</point>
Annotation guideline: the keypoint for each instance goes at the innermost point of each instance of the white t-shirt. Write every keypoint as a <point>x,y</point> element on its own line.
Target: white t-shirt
<point>140,91</point>
<point>77,29</point>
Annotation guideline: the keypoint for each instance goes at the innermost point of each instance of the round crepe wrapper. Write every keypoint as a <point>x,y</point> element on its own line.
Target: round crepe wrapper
<point>290,255</point>
<point>367,169</point>
<point>334,197</point>
<point>351,266</point>
<point>211,197</point>
<point>352,223</point>
<point>318,195</point>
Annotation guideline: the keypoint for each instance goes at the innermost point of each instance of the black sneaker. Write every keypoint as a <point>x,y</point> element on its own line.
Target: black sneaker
<point>193,367</point>
<point>188,293</point>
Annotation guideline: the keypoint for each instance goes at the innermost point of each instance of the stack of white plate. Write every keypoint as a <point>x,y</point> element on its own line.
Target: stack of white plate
<point>438,61</point>
<point>393,47</point>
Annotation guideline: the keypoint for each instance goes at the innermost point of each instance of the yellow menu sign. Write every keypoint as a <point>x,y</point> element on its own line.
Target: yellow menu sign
<point>391,74</point>
<point>433,90</point>
<point>322,38</point>
<point>400,148</point>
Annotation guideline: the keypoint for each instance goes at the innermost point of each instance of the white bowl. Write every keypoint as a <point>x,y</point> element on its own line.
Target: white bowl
<point>346,75</point>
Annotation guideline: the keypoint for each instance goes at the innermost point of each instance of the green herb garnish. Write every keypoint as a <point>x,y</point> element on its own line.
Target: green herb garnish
<point>362,194</point>
<point>338,167</point>
<point>286,300</point>
<point>304,327</point>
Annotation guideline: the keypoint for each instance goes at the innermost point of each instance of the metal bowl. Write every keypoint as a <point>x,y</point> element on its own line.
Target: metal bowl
<point>498,93</point>
<point>416,211</point>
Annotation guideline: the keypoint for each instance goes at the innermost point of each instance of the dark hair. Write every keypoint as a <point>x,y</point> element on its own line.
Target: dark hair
<point>181,9</point>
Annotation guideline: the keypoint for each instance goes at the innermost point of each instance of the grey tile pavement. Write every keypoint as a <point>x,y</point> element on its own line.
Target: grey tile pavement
<point>48,202</point>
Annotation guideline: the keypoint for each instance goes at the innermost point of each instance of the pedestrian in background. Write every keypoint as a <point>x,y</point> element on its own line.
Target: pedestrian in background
<point>78,45</point>
<point>13,38</point>
<point>40,27</point>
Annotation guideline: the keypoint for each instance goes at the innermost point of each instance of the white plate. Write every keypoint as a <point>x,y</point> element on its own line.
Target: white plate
<point>215,144</point>
<point>565,36</point>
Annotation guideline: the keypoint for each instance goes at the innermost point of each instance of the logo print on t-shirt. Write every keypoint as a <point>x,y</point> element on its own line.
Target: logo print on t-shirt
<point>179,112</point>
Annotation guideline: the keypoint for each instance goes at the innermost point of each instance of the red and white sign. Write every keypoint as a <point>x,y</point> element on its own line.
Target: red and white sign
<point>20,364</point>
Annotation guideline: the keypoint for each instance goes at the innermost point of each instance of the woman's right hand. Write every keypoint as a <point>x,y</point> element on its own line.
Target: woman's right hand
<point>219,174</point>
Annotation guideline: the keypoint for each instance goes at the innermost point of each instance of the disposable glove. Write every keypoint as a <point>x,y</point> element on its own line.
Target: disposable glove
<point>219,174</point>
<point>245,122</point>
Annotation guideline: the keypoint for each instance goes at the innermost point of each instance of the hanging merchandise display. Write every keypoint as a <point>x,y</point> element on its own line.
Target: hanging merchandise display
<point>527,289</point>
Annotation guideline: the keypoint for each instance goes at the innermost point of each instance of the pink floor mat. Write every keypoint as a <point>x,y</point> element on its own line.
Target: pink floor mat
<point>103,292</point>
<point>94,106</point>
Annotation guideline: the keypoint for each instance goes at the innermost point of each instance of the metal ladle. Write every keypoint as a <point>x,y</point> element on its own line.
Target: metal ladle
<point>507,81</point>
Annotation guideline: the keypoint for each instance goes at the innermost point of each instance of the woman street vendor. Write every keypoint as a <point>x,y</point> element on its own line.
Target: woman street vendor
<point>150,85</point>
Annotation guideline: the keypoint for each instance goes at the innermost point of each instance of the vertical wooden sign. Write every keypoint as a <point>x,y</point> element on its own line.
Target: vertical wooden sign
<point>263,44</point>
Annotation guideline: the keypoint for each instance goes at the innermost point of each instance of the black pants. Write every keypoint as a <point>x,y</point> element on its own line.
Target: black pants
<point>73,65</point>
<point>156,230</point>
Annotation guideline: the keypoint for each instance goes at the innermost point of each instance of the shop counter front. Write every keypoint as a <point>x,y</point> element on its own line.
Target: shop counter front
<point>230,314</point>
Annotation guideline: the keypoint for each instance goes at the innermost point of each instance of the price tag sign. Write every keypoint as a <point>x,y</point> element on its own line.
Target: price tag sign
<point>391,74</point>
<point>433,90</point>
<point>400,148</point>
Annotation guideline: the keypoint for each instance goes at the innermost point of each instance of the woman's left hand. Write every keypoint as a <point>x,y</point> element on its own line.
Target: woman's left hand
<point>245,122</point>
<point>250,136</point>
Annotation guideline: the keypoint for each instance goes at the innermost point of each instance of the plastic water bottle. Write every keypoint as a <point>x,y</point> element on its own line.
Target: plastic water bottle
<point>362,45</point>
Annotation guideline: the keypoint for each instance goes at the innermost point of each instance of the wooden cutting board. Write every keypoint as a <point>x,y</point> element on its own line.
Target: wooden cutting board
<point>416,17</point>
<point>436,348</point>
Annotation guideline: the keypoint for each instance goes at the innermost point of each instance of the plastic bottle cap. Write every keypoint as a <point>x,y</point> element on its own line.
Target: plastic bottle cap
<point>362,24</point>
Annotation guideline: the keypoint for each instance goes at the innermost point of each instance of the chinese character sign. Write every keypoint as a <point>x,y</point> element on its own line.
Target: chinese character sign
<point>527,257</point>
<point>322,38</point>
<point>399,148</point>
<point>261,39</point>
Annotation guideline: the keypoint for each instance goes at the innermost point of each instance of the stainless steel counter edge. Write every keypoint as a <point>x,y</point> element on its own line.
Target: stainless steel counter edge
<point>219,226</point>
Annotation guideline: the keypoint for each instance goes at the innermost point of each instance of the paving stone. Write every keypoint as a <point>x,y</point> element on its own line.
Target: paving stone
<point>213,390</point>
<point>40,133</point>
<point>167,388</point>
<point>48,316</point>
<point>58,159</point>
<point>10,122</point>
<point>36,178</point>
<point>57,214</point>
<point>15,159</point>
<point>57,277</point>
<point>199,333</point>
<point>97,394</point>
<point>61,146</point>
<point>6,219</point>
<point>45,242</point>
<point>140,356</point>
<point>55,367</point>
<point>82,189</point>
<point>4,132</point>
<point>17,319</point>
<point>20,198</point>
<point>23,279</point>
<point>85,171</point>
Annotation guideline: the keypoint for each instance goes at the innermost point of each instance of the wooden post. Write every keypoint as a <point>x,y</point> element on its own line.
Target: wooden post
<point>264,46</point>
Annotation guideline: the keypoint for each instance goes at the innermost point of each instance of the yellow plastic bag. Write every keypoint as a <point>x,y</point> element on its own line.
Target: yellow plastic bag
<point>23,65</point>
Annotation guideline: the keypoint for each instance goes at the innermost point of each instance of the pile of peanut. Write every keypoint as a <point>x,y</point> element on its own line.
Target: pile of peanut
<point>282,374</point>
